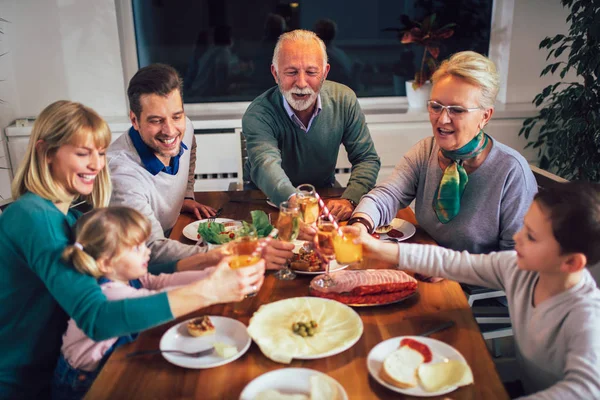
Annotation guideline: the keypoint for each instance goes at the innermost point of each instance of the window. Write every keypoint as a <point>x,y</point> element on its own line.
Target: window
<point>223,48</point>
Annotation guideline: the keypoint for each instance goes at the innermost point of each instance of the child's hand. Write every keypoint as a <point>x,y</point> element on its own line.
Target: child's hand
<point>228,285</point>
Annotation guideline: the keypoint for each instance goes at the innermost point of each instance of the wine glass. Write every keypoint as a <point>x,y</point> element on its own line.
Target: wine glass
<point>324,245</point>
<point>306,196</point>
<point>288,225</point>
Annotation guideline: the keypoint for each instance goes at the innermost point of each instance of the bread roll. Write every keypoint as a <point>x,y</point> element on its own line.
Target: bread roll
<point>400,367</point>
<point>384,229</point>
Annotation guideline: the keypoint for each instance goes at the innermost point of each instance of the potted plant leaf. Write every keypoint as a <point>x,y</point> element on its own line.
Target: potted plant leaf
<point>425,33</point>
<point>569,136</point>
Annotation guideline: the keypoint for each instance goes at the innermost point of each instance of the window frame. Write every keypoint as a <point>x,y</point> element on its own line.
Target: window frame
<point>501,24</point>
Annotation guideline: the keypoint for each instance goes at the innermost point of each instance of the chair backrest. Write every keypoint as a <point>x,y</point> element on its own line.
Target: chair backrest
<point>243,156</point>
<point>545,178</point>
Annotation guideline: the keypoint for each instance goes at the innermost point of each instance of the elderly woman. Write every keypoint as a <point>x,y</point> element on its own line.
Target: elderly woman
<point>65,160</point>
<point>471,191</point>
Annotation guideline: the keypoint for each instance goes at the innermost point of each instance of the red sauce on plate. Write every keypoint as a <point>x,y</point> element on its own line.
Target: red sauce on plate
<point>395,234</point>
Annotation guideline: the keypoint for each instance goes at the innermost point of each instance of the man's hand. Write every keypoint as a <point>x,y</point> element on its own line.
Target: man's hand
<point>307,232</point>
<point>341,209</point>
<point>199,210</point>
<point>277,253</point>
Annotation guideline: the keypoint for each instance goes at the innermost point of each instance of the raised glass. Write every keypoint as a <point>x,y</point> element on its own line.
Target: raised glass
<point>288,224</point>
<point>309,205</point>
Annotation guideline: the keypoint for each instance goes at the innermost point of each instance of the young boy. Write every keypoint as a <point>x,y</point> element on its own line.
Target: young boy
<point>553,300</point>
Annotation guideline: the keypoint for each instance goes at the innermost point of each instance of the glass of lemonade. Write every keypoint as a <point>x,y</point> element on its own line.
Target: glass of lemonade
<point>309,204</point>
<point>324,244</point>
<point>288,225</point>
<point>346,251</point>
<point>242,248</point>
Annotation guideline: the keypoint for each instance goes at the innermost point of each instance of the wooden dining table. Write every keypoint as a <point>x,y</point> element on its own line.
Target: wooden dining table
<point>152,377</point>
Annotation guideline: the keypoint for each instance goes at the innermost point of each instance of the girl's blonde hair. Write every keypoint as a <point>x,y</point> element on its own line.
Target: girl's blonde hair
<point>62,122</point>
<point>105,233</point>
<point>475,69</point>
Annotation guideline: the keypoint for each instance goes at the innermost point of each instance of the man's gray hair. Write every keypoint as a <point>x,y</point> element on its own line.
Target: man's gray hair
<point>298,35</point>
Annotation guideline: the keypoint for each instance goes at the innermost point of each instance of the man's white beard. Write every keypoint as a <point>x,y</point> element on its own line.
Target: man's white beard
<point>299,105</point>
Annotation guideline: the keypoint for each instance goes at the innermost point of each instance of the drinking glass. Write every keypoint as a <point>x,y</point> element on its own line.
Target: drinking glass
<point>288,225</point>
<point>242,248</point>
<point>324,245</point>
<point>346,251</point>
<point>309,204</point>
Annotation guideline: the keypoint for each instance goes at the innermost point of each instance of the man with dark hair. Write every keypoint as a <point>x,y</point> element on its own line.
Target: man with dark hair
<point>152,165</point>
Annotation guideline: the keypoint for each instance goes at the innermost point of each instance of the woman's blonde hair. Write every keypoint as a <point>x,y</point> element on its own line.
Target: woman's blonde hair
<point>62,122</point>
<point>475,69</point>
<point>105,233</point>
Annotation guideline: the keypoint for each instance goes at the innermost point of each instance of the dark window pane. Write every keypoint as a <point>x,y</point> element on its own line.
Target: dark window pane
<point>223,48</point>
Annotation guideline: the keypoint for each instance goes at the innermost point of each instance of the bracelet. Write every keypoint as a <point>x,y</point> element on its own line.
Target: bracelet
<point>363,221</point>
<point>189,198</point>
<point>352,202</point>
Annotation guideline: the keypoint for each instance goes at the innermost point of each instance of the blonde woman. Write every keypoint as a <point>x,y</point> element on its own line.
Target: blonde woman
<point>471,191</point>
<point>65,160</point>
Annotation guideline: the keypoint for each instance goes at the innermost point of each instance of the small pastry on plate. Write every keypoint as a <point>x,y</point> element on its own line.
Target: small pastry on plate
<point>384,229</point>
<point>201,326</point>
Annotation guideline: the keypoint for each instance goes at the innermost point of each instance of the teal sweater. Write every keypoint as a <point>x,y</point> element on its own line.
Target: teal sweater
<point>282,156</point>
<point>38,291</point>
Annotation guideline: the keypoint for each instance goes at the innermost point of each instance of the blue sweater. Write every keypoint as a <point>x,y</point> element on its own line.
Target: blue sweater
<point>38,292</point>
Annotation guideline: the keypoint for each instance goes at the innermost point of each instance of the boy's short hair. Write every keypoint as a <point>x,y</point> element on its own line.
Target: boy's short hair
<point>574,209</point>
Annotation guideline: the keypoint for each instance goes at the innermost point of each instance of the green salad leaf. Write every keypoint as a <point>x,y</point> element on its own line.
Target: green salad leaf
<point>260,220</point>
<point>213,232</point>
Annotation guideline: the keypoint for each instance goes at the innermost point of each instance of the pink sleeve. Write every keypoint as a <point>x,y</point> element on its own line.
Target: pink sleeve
<point>162,281</point>
<point>81,351</point>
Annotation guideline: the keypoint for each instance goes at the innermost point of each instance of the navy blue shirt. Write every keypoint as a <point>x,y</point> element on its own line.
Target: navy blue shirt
<point>149,160</point>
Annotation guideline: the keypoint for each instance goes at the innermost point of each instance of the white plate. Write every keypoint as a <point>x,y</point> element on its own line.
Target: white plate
<point>287,381</point>
<point>269,202</point>
<point>440,351</point>
<point>333,265</point>
<point>191,230</point>
<point>227,330</point>
<point>403,226</point>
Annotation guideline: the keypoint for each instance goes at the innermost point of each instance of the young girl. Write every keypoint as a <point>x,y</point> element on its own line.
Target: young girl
<point>109,245</point>
<point>553,300</point>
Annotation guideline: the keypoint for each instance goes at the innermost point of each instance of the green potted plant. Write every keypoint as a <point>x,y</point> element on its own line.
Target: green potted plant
<point>425,33</point>
<point>569,135</point>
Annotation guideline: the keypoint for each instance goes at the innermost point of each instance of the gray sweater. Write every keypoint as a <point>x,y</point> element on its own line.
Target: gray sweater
<point>158,197</point>
<point>495,200</point>
<point>558,342</point>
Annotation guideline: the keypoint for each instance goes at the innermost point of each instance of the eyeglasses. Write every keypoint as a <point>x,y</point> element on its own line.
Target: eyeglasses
<point>436,108</point>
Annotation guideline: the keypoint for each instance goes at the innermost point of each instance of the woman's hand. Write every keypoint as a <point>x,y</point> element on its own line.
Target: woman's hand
<point>227,285</point>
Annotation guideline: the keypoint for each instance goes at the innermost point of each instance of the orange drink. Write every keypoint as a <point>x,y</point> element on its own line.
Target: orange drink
<point>346,251</point>
<point>243,261</point>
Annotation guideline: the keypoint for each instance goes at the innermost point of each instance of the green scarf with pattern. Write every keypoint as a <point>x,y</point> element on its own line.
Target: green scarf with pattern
<point>446,200</point>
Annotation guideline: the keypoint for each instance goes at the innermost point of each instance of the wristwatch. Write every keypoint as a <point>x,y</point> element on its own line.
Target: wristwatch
<point>352,202</point>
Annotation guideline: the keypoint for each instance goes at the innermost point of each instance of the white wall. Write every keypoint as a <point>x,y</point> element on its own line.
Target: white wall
<point>533,20</point>
<point>60,49</point>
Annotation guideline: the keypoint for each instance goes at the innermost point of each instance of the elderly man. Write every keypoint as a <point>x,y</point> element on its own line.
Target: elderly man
<point>294,131</point>
<point>152,165</point>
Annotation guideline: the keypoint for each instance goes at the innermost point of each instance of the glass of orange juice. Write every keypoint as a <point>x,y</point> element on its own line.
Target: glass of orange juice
<point>242,248</point>
<point>346,251</point>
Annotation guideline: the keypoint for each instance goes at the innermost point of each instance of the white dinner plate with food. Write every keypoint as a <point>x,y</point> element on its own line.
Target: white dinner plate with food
<point>440,351</point>
<point>338,327</point>
<point>191,230</point>
<point>228,331</point>
<point>333,264</point>
<point>294,381</point>
<point>398,229</point>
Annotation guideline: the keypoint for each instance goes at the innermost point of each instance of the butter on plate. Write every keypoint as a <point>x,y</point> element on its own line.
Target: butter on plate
<point>438,376</point>
<point>225,350</point>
